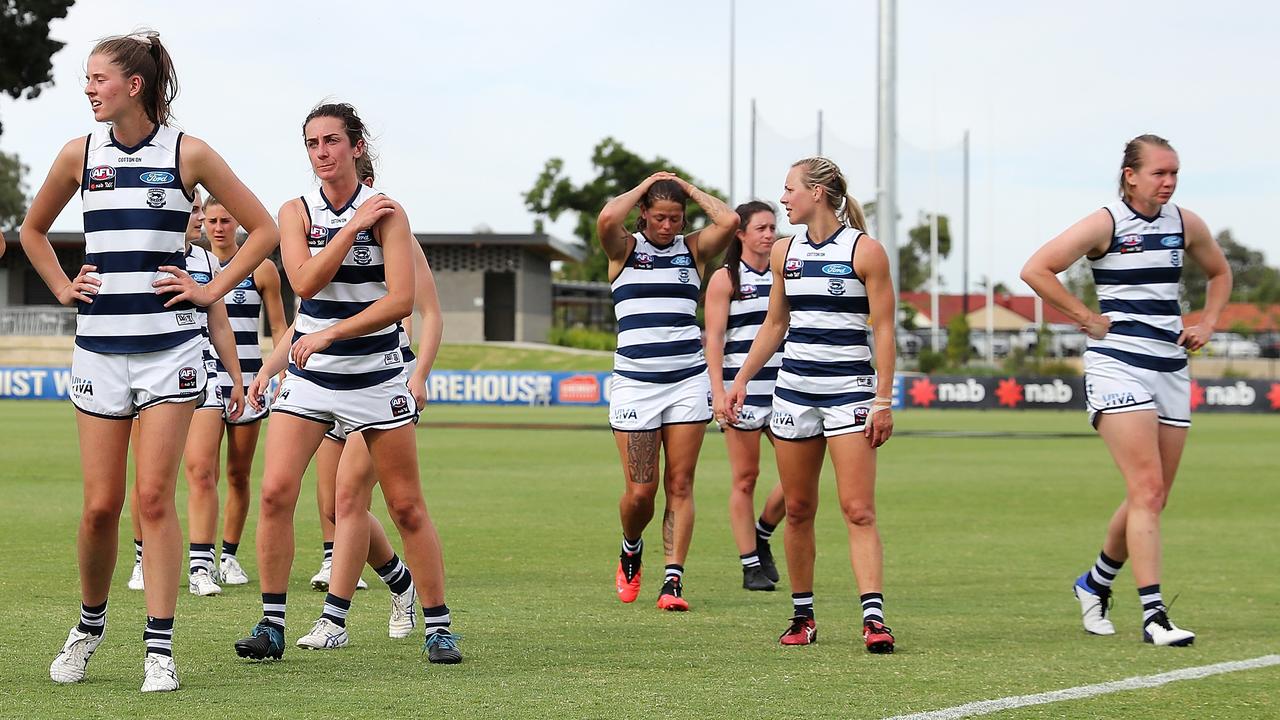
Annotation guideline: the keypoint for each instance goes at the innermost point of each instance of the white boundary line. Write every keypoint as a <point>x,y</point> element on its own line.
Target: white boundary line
<point>987,707</point>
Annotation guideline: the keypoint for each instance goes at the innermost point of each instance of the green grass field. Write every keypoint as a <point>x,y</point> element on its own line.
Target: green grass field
<point>983,537</point>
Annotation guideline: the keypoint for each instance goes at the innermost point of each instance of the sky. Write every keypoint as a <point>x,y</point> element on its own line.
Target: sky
<point>467,101</point>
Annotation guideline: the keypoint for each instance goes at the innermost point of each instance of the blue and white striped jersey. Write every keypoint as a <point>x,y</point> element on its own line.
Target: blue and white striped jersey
<point>358,362</point>
<point>136,212</point>
<point>655,299</point>
<point>1137,282</point>
<point>203,267</point>
<point>244,310</point>
<point>746,315</point>
<point>827,358</point>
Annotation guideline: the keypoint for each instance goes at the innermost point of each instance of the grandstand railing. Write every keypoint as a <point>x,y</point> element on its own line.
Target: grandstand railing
<point>41,320</point>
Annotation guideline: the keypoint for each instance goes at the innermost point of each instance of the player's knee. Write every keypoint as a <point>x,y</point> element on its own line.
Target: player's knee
<point>638,502</point>
<point>409,514</point>
<point>1149,494</point>
<point>801,510</point>
<point>154,505</point>
<point>347,504</point>
<point>858,513</point>
<point>202,479</point>
<point>238,479</point>
<point>277,498</point>
<point>679,484</point>
<point>101,517</point>
<point>745,481</point>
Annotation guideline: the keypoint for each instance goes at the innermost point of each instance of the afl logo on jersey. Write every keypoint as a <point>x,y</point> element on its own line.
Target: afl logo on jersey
<point>156,177</point>
<point>835,286</point>
<point>860,416</point>
<point>102,177</point>
<point>362,256</point>
<point>1172,241</point>
<point>238,297</point>
<point>1131,244</point>
<point>317,237</point>
<point>643,261</point>
<point>201,277</point>
<point>156,198</point>
<point>836,269</point>
<point>187,378</point>
<point>682,261</point>
<point>748,292</point>
<point>793,268</point>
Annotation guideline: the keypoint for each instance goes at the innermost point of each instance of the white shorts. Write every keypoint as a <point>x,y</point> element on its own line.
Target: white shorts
<point>384,406</point>
<point>752,418</point>
<point>118,386</point>
<point>249,415</point>
<point>213,399</point>
<point>1111,386</point>
<point>636,406</point>
<point>794,421</point>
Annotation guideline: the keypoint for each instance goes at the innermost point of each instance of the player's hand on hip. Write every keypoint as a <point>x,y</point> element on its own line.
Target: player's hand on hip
<point>184,287</point>
<point>82,288</point>
<point>1097,326</point>
<point>1194,338</point>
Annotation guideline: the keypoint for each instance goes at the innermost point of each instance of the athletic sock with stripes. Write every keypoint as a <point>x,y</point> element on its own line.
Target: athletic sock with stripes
<point>1102,574</point>
<point>802,604</point>
<point>872,607</point>
<point>93,619</point>
<point>395,575</point>
<point>273,605</point>
<point>336,609</point>
<point>159,636</point>
<point>1152,602</point>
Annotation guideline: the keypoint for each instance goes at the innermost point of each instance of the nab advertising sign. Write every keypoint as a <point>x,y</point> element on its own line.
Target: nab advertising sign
<point>991,393</point>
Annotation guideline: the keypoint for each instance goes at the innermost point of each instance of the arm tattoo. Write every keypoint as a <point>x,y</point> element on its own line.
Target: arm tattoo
<point>642,456</point>
<point>668,531</point>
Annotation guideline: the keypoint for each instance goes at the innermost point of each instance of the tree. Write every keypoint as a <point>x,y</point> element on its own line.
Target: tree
<point>1078,279</point>
<point>913,258</point>
<point>25,54</point>
<point>25,67</point>
<point>617,171</point>
<point>1253,280</point>
<point>13,195</point>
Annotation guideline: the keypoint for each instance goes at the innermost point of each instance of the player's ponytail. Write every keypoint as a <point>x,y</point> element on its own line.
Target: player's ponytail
<point>142,54</point>
<point>822,172</point>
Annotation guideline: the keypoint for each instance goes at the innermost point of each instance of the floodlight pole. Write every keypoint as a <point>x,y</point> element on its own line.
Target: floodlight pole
<point>887,141</point>
<point>733,28</point>
<point>753,150</point>
<point>964,282</point>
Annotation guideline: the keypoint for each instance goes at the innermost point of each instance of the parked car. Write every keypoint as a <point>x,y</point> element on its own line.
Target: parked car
<point>1000,345</point>
<point>909,343</point>
<point>1269,343</point>
<point>1064,340</point>
<point>1232,345</point>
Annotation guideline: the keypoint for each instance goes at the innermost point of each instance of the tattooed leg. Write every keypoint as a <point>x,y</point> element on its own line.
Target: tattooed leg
<point>682,444</point>
<point>639,454</point>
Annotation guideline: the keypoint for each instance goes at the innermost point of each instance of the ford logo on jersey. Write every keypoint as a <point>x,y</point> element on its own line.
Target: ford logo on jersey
<point>156,177</point>
<point>202,278</point>
<point>682,260</point>
<point>836,269</point>
<point>1172,241</point>
<point>246,283</point>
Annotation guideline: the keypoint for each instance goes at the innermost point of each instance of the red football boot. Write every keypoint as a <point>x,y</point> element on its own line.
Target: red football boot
<point>879,639</point>
<point>803,631</point>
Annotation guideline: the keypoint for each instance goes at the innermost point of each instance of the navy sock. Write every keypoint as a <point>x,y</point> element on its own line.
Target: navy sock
<point>93,619</point>
<point>802,604</point>
<point>159,636</point>
<point>273,605</point>
<point>336,609</point>
<point>395,575</point>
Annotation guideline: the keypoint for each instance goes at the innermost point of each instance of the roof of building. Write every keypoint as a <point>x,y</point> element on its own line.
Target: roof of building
<point>951,305</point>
<point>1238,316</point>
<point>552,247</point>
